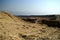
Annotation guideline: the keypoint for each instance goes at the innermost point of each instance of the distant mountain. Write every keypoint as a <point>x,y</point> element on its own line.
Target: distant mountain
<point>35,15</point>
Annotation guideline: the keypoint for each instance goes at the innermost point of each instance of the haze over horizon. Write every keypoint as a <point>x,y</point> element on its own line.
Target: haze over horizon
<point>30,7</point>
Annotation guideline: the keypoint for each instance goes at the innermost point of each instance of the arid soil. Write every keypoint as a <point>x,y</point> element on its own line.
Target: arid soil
<point>12,28</point>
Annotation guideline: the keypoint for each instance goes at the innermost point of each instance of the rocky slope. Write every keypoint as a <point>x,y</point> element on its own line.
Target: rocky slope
<point>12,28</point>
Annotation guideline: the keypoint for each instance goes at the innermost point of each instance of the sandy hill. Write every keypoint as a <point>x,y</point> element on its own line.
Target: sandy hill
<point>12,28</point>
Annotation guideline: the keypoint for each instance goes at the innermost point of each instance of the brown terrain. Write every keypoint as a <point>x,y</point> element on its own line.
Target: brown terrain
<point>14,28</point>
<point>50,20</point>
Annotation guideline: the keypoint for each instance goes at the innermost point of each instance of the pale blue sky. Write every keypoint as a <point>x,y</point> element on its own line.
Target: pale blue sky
<point>30,7</point>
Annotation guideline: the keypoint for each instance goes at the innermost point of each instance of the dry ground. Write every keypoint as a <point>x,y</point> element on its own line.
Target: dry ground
<point>12,28</point>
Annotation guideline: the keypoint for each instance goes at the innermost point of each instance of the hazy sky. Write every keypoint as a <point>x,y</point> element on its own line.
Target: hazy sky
<point>30,7</point>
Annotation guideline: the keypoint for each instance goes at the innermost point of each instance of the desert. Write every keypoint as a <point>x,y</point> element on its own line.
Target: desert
<point>14,28</point>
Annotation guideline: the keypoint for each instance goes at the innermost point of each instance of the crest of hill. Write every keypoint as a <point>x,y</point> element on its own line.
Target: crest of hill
<point>7,17</point>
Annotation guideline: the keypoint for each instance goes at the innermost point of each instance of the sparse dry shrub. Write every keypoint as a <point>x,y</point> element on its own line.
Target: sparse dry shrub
<point>42,31</point>
<point>21,35</point>
<point>46,38</point>
<point>4,32</point>
<point>33,27</point>
<point>59,36</point>
<point>23,25</point>
<point>17,28</point>
<point>27,27</point>
<point>2,37</point>
<point>29,37</point>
